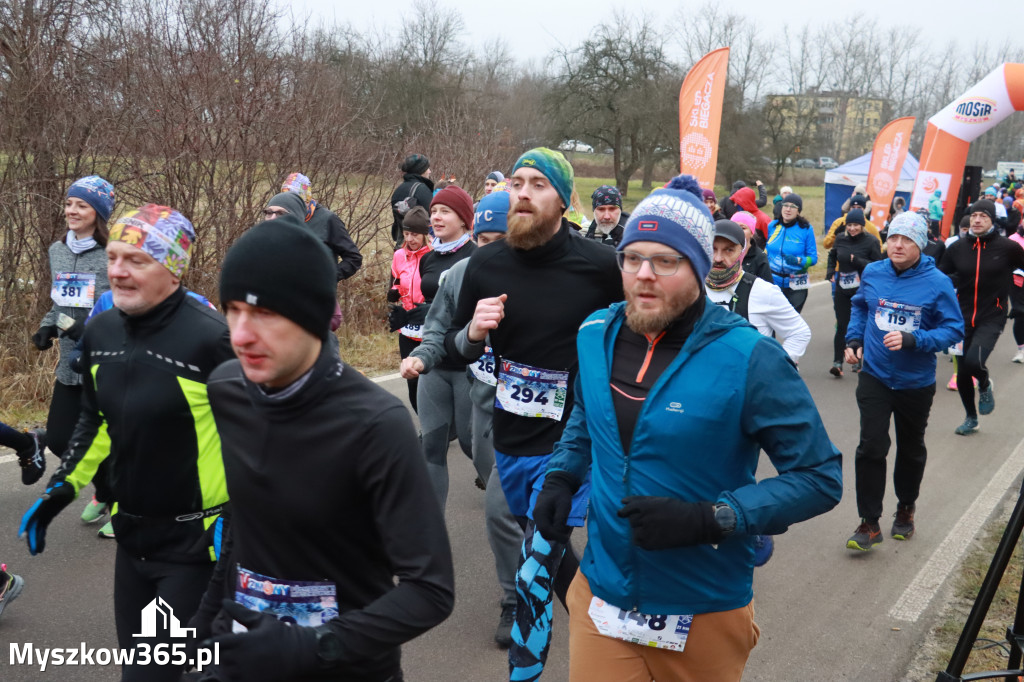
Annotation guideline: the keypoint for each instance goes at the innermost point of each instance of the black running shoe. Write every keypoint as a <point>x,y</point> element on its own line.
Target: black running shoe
<point>32,458</point>
<point>903,525</point>
<point>865,537</point>
<point>503,635</point>
<point>10,587</point>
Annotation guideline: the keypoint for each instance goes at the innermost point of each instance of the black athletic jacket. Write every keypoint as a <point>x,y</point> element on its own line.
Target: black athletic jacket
<point>551,291</point>
<point>144,405</point>
<point>329,484</point>
<point>982,270</point>
<point>864,248</point>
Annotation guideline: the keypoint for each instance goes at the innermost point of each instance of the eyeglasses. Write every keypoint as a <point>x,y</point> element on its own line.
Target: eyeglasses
<point>662,264</point>
<point>791,206</point>
<point>271,212</point>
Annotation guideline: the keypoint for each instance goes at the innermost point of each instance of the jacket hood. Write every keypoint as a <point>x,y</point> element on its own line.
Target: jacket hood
<point>744,197</point>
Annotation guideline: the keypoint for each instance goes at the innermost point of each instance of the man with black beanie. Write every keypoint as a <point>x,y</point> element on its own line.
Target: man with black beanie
<point>311,581</point>
<point>981,265</point>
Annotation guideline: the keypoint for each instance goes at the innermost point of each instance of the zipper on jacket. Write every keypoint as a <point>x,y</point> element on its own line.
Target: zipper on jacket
<point>979,245</point>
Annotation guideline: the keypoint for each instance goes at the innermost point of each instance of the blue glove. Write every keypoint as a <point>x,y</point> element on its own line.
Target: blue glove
<point>38,517</point>
<point>793,261</point>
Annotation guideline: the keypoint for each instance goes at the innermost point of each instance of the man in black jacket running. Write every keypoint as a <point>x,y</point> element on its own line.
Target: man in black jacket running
<point>312,580</point>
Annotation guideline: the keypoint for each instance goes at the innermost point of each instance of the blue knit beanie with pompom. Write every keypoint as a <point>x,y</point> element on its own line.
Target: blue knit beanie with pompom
<point>675,215</point>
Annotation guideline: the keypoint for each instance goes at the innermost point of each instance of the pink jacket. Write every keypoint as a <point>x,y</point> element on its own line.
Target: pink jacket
<point>405,269</point>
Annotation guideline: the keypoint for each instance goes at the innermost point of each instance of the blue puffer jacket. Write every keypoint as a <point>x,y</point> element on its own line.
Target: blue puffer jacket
<point>728,393</point>
<point>922,300</point>
<point>790,250</point>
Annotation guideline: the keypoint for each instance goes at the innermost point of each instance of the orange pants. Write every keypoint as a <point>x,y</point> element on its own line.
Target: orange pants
<point>716,649</point>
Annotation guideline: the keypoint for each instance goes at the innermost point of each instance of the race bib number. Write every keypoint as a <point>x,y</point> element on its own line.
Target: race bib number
<point>483,368</point>
<point>957,348</point>
<point>531,391</point>
<point>412,331</point>
<point>303,603</point>
<point>849,280</point>
<point>891,316</point>
<point>663,632</point>
<point>801,281</point>
<point>74,289</point>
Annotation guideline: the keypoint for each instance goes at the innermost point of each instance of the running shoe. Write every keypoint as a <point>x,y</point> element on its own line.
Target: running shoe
<point>94,511</point>
<point>837,370</point>
<point>107,531</point>
<point>865,537</point>
<point>12,586</point>
<point>764,547</point>
<point>1019,357</point>
<point>969,426</point>
<point>952,383</point>
<point>32,459</point>
<point>986,401</point>
<point>903,525</point>
<point>855,367</point>
<point>503,635</point>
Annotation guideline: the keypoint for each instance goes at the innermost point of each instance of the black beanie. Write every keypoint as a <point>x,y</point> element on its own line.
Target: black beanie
<point>417,164</point>
<point>855,217</point>
<point>984,206</point>
<point>284,268</point>
<point>794,198</point>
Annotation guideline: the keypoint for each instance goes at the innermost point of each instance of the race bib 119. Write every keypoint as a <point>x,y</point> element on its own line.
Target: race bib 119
<point>74,289</point>
<point>892,316</point>
<point>663,632</point>
<point>531,391</point>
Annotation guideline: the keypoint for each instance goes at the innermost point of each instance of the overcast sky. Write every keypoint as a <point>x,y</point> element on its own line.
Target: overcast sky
<point>532,28</point>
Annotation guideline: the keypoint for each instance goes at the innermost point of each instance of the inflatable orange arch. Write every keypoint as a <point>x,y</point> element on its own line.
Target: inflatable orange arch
<point>951,131</point>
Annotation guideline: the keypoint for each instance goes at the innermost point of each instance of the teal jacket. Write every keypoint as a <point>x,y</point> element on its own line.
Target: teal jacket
<point>728,394</point>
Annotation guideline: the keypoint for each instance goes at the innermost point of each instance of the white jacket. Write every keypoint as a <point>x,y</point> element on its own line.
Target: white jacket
<point>770,311</point>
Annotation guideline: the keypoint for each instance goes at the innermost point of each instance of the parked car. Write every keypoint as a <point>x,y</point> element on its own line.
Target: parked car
<point>827,162</point>
<point>990,174</point>
<point>575,146</point>
<point>805,163</point>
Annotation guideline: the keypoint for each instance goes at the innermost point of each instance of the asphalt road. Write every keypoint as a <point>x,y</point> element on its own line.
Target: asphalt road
<point>825,612</point>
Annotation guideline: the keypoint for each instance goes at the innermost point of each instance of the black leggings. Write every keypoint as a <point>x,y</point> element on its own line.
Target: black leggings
<point>137,584</point>
<point>796,297</point>
<point>978,344</point>
<point>60,424</point>
<point>405,347</point>
<point>1018,329</point>
<point>842,303</point>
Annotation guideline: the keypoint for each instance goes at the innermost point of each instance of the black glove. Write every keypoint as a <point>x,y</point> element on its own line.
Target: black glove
<point>75,331</point>
<point>909,342</point>
<point>418,315</point>
<point>667,522</point>
<point>393,296</point>
<point>271,650</point>
<point>397,318</point>
<point>554,502</point>
<point>39,515</point>
<point>43,338</point>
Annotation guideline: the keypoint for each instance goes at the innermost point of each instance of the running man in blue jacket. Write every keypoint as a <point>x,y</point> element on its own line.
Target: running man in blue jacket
<point>675,398</point>
<point>903,313</point>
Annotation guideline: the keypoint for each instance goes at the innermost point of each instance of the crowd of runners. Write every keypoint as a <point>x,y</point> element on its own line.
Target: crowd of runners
<point>623,373</point>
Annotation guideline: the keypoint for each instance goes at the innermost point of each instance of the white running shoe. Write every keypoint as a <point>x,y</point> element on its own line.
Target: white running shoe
<point>1019,357</point>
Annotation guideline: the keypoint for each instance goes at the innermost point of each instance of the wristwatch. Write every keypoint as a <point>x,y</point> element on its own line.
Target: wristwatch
<point>725,517</point>
<point>328,647</point>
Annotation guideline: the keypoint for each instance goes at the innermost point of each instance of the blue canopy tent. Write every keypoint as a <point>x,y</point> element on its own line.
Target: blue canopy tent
<point>840,181</point>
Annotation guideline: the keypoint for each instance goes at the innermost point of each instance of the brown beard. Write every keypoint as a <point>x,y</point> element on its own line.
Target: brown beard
<point>532,231</point>
<point>651,322</point>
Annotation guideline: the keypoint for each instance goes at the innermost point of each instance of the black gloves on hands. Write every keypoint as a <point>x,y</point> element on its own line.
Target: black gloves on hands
<point>75,331</point>
<point>43,338</point>
<point>271,650</point>
<point>393,296</point>
<point>668,522</point>
<point>38,517</point>
<point>397,318</point>
<point>554,502</point>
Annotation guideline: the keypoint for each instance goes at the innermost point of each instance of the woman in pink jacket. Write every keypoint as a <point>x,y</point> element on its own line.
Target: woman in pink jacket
<point>406,314</point>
